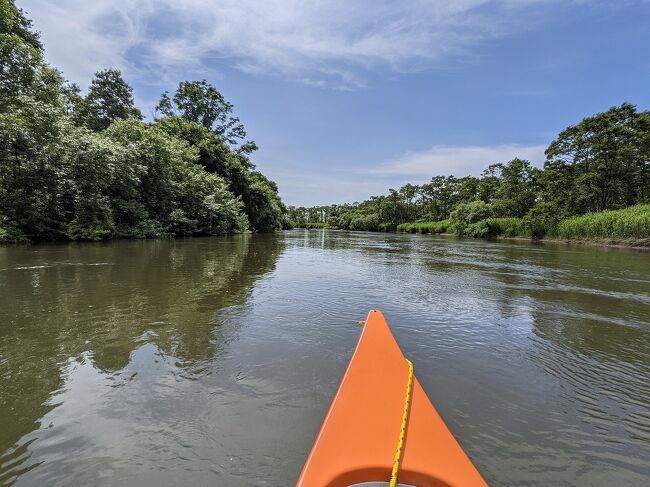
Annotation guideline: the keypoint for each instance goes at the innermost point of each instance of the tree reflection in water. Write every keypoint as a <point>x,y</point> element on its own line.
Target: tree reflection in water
<point>75,309</point>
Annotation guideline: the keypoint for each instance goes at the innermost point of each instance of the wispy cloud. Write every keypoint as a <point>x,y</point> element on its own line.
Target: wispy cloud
<point>300,186</point>
<point>329,44</point>
<point>459,161</point>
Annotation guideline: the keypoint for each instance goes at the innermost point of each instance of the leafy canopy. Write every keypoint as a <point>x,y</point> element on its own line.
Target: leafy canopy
<point>88,167</point>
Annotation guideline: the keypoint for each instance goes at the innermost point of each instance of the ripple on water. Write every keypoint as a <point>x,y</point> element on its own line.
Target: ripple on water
<point>213,361</point>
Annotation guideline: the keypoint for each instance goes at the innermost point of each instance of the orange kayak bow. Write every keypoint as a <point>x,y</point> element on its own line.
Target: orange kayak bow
<point>358,442</point>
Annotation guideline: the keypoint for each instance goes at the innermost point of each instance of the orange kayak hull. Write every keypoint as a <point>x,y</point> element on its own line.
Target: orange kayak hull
<point>359,435</point>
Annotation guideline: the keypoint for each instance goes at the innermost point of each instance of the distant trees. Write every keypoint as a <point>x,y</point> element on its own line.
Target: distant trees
<point>515,188</point>
<point>601,163</point>
<point>87,166</point>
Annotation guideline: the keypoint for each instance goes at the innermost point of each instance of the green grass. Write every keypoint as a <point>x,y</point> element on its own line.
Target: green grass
<point>424,227</point>
<point>314,225</point>
<point>629,223</point>
<point>387,227</point>
<point>632,222</point>
<point>506,227</point>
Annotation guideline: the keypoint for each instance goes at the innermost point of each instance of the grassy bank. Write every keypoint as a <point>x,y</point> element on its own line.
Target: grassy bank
<point>629,223</point>
<point>442,226</point>
<point>629,226</point>
<point>314,225</point>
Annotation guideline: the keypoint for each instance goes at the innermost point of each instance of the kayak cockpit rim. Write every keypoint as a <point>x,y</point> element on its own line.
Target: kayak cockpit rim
<point>379,484</point>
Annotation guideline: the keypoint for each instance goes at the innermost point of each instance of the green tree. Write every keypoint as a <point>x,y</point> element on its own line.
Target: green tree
<point>517,189</point>
<point>469,218</point>
<point>87,165</point>
<point>408,192</point>
<point>88,168</point>
<point>488,186</point>
<point>262,204</point>
<point>174,193</point>
<point>31,116</point>
<point>109,98</point>
<point>14,21</point>
<point>200,102</point>
<point>468,188</point>
<point>20,55</point>
<point>642,157</point>
<point>603,154</point>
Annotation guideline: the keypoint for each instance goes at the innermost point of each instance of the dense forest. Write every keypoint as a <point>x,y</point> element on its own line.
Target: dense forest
<point>599,168</point>
<point>88,166</point>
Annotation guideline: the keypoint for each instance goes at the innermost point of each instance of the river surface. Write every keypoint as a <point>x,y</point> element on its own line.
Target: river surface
<point>212,361</point>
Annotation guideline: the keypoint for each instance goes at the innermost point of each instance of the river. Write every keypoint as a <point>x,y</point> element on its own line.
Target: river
<point>212,361</point>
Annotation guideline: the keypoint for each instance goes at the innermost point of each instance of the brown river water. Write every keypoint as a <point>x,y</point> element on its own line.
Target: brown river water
<point>212,361</point>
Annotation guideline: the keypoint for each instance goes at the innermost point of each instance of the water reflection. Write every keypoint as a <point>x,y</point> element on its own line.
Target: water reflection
<point>71,309</point>
<point>213,361</point>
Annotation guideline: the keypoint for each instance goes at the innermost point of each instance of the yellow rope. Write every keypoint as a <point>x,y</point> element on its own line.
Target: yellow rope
<point>402,432</point>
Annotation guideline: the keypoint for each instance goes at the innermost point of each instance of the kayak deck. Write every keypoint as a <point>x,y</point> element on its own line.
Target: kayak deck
<point>358,438</point>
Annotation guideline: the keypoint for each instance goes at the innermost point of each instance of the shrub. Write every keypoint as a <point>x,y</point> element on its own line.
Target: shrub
<point>83,229</point>
<point>315,225</point>
<point>479,229</point>
<point>9,233</point>
<point>180,224</point>
<point>542,220</point>
<point>506,227</point>
<point>387,227</point>
<point>146,229</point>
<point>365,222</point>
<point>407,227</point>
<point>466,214</point>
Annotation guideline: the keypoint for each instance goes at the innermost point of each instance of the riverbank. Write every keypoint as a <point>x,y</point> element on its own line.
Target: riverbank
<point>8,237</point>
<point>640,244</point>
<point>628,227</point>
<point>13,236</point>
<point>632,243</point>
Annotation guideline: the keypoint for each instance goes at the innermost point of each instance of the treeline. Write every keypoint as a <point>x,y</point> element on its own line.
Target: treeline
<point>89,167</point>
<point>601,163</point>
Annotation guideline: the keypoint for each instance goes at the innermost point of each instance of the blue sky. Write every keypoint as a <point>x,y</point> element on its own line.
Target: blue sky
<point>348,98</point>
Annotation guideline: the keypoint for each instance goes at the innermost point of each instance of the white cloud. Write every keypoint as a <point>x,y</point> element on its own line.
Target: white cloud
<point>320,43</point>
<point>299,186</point>
<point>459,161</point>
